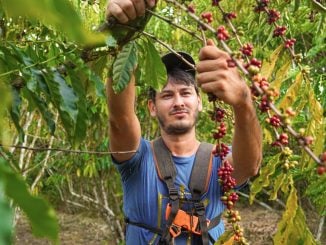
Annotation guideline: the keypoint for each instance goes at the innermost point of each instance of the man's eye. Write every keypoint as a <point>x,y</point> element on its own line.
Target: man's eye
<point>166,96</point>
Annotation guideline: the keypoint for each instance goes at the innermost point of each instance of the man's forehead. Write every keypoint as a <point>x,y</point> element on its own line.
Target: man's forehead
<point>177,86</point>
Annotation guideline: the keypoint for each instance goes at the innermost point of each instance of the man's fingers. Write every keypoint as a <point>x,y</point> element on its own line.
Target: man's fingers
<point>210,42</point>
<point>151,3</point>
<point>128,8</point>
<point>118,13</point>
<point>211,65</point>
<point>211,52</point>
<point>140,7</point>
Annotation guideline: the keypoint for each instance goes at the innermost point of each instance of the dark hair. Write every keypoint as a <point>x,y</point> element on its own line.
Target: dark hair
<point>176,76</point>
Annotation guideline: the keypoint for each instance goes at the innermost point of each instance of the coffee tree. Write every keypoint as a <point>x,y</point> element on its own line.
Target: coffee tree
<point>56,55</point>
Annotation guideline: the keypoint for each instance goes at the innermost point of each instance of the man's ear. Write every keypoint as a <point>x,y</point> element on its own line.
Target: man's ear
<point>151,107</point>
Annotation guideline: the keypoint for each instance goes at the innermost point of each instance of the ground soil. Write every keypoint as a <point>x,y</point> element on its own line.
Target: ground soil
<point>84,229</point>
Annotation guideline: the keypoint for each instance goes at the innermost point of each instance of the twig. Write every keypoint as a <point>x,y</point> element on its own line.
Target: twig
<point>169,21</point>
<point>319,5</point>
<point>258,202</point>
<point>320,228</point>
<point>69,151</point>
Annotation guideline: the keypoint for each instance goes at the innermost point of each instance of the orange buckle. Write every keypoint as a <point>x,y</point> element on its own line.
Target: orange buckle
<point>183,220</point>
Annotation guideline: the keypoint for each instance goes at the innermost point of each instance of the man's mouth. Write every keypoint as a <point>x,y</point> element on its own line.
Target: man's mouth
<point>178,112</point>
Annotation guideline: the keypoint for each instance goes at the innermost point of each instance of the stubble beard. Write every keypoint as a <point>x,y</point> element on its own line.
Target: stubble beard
<point>178,128</point>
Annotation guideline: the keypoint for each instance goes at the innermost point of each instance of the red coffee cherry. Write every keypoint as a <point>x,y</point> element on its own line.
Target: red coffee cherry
<point>231,15</point>
<point>321,170</point>
<point>191,8</point>
<point>207,16</point>
<point>222,33</point>
<point>322,157</point>
<point>273,16</point>
<point>216,2</point>
<point>279,31</point>
<point>289,42</point>
<point>247,49</point>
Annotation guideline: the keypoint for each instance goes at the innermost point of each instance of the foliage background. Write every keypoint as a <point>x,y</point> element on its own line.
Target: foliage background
<point>53,67</point>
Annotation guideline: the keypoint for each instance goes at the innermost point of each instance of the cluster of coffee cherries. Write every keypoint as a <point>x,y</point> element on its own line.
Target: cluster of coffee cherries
<point>321,169</point>
<point>229,197</point>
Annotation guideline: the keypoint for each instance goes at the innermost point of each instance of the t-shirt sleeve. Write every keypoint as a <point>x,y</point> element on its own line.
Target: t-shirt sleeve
<point>131,166</point>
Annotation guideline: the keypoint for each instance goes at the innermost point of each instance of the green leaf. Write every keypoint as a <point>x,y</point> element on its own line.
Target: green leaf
<point>6,224</point>
<point>65,100</point>
<point>269,64</point>
<point>281,75</point>
<point>263,180</point>
<point>80,129</point>
<point>155,71</point>
<point>39,103</point>
<point>278,182</point>
<point>5,96</point>
<point>54,13</point>
<point>40,214</point>
<point>15,112</point>
<point>292,93</point>
<point>123,67</point>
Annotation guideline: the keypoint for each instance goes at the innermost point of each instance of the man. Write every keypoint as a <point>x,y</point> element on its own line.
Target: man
<point>176,107</point>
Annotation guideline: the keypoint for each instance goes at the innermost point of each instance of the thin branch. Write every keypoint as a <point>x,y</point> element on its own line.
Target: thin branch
<point>258,202</point>
<point>320,228</point>
<point>69,151</point>
<point>169,21</point>
<point>319,5</point>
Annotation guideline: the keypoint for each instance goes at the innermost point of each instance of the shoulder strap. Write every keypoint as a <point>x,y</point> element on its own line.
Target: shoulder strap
<point>167,172</point>
<point>201,170</point>
<point>198,185</point>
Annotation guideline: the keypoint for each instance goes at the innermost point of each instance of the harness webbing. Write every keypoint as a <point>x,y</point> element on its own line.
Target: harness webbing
<point>198,185</point>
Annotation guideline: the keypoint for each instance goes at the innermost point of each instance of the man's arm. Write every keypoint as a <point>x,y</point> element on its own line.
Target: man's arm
<point>214,76</point>
<point>124,127</point>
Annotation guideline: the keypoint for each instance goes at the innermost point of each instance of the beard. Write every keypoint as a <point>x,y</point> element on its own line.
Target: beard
<point>179,127</point>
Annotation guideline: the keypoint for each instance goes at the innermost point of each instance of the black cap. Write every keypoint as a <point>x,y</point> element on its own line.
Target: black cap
<point>172,61</point>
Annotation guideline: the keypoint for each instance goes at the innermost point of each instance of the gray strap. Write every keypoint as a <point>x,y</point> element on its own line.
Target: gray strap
<point>164,163</point>
<point>201,171</point>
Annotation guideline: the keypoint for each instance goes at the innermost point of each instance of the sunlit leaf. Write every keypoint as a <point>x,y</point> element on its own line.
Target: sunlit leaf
<point>291,95</point>
<point>292,229</point>
<point>263,180</point>
<point>269,64</point>
<point>278,182</point>
<point>281,75</point>
<point>54,13</point>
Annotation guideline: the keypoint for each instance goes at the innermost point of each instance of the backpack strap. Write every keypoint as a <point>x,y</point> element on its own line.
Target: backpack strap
<point>198,185</point>
<point>167,173</point>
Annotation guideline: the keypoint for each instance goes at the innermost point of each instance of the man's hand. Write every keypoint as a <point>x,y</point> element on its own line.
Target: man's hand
<point>214,76</point>
<point>127,10</point>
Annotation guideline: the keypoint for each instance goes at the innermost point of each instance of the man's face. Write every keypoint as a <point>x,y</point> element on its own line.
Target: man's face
<point>176,108</point>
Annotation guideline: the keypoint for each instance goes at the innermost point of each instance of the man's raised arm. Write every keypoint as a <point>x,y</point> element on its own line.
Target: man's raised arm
<point>124,127</point>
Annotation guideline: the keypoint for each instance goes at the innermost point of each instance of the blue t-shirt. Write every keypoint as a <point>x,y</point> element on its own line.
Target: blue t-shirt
<point>146,196</point>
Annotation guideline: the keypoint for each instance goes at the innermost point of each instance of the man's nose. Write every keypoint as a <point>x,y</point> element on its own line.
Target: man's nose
<point>178,100</point>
